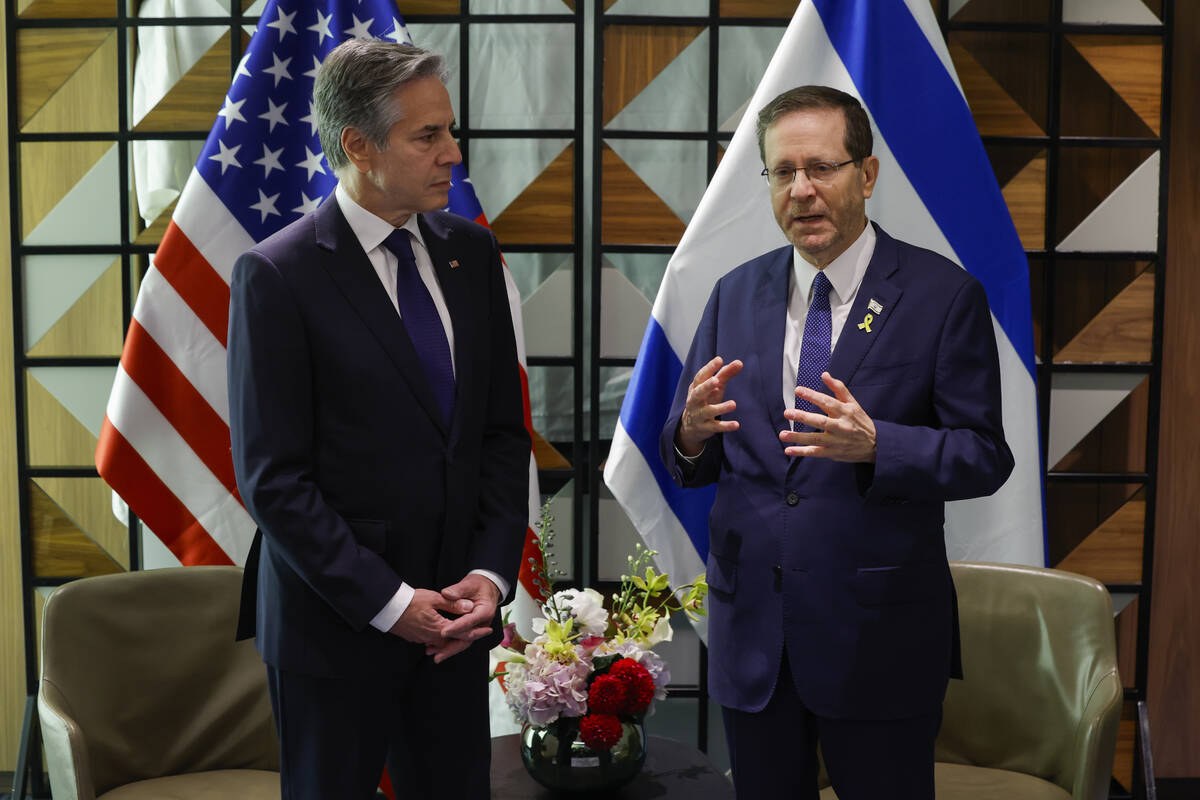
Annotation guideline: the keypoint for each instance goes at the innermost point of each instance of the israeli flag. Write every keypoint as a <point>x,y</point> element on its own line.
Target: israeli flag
<point>936,189</point>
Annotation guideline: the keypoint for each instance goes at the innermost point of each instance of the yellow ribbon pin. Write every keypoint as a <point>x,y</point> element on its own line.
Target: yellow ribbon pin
<point>866,323</point>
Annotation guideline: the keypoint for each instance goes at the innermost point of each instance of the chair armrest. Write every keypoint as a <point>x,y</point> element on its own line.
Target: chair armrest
<point>1096,739</point>
<point>66,751</point>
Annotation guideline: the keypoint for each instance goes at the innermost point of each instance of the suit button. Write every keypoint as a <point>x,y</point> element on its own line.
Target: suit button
<point>777,570</point>
<point>792,498</point>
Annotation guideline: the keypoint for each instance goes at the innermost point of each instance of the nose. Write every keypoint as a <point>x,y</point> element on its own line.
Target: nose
<point>451,154</point>
<point>801,186</point>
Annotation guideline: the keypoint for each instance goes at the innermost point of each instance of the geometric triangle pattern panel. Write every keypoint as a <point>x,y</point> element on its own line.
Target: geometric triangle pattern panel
<point>89,326</point>
<point>544,211</point>
<point>1024,192</point>
<point>61,548</point>
<point>1112,12</point>
<point>69,193</point>
<point>67,80</point>
<point>1075,511</point>
<point>1120,332</point>
<point>676,98</point>
<point>1112,553</point>
<point>1079,401</point>
<point>770,9</point>
<point>87,502</point>
<point>631,211</point>
<point>1088,176</point>
<point>187,101</point>
<point>1124,220</point>
<point>634,55</point>
<point>64,412</point>
<point>1117,442</point>
<point>995,110</point>
<point>1111,86</point>
<point>1002,75</point>
<point>997,10</point>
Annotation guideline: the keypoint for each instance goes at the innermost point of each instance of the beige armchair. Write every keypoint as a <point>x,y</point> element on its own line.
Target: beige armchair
<point>1036,717</point>
<point>145,694</point>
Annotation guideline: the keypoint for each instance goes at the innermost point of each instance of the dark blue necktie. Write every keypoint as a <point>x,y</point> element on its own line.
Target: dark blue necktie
<point>814,349</point>
<point>422,322</point>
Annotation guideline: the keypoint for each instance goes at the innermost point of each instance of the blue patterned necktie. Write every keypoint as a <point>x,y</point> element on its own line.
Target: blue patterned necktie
<point>422,322</point>
<point>814,348</point>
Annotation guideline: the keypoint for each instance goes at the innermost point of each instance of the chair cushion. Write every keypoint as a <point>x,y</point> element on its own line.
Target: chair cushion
<point>220,784</point>
<point>961,782</point>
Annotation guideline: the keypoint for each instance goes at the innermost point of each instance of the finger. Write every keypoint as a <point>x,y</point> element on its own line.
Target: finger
<point>808,451</point>
<point>728,371</point>
<point>828,404</point>
<point>799,438</point>
<point>452,649</point>
<point>462,626</point>
<point>837,387</point>
<point>819,421</point>
<point>707,371</point>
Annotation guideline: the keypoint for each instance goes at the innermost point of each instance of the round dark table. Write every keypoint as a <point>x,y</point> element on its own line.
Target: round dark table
<point>673,769</point>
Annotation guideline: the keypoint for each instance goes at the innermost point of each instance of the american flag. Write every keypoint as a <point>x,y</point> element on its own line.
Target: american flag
<point>164,446</point>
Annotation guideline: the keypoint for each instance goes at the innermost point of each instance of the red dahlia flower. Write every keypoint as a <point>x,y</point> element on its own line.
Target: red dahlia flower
<point>600,731</point>
<point>607,695</point>
<point>639,686</point>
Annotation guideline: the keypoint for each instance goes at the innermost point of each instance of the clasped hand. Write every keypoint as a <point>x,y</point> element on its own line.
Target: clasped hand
<point>843,433</point>
<point>474,598</point>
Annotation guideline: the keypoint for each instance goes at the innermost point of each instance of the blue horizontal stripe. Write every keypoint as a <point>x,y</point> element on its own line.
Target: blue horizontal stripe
<point>930,130</point>
<point>643,414</point>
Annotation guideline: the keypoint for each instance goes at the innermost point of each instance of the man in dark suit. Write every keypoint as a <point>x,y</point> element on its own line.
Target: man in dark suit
<point>379,443</point>
<point>838,391</point>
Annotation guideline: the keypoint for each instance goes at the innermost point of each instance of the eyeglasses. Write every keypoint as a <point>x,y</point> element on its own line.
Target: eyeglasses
<point>823,172</point>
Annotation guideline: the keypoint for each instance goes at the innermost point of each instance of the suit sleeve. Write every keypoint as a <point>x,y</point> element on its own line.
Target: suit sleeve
<point>964,454</point>
<point>503,510</point>
<point>271,432</point>
<point>707,467</point>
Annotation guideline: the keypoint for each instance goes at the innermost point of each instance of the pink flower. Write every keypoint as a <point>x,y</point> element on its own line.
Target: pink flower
<point>510,630</point>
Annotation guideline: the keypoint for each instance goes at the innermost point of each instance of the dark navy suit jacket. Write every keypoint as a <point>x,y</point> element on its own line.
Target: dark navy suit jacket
<point>341,454</point>
<point>845,562</point>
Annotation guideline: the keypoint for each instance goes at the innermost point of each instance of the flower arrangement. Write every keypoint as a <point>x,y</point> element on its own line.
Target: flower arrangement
<point>589,669</point>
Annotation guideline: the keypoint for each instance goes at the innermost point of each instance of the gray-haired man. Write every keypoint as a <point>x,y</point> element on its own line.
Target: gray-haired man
<point>378,442</point>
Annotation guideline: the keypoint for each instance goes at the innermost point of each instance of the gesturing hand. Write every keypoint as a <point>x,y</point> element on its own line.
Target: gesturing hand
<point>705,402</point>
<point>844,431</point>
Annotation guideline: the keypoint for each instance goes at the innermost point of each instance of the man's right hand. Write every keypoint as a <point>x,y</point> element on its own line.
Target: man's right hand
<point>421,623</point>
<point>705,402</point>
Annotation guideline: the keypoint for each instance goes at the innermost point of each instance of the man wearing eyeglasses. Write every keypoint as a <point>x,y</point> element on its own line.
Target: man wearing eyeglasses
<point>838,391</point>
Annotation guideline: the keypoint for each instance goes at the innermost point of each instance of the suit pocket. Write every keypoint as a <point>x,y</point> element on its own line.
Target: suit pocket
<point>906,583</point>
<point>722,574</point>
<point>370,533</point>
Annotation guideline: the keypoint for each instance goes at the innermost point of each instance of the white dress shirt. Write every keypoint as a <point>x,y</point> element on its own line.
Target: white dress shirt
<point>371,231</point>
<point>845,274</point>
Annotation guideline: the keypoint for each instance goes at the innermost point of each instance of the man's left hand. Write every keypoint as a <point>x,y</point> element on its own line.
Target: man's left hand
<point>475,597</point>
<point>844,432</point>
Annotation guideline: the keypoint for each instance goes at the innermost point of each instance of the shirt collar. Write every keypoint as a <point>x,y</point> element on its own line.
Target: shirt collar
<point>369,229</point>
<point>845,272</point>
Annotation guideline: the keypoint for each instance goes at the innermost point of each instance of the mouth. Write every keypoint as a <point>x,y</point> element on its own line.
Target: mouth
<point>808,219</point>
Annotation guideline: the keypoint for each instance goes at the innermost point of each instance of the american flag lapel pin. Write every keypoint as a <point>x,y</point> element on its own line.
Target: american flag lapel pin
<point>453,263</point>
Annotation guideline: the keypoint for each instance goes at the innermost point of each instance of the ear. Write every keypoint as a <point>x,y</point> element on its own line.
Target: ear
<point>870,171</point>
<point>357,148</point>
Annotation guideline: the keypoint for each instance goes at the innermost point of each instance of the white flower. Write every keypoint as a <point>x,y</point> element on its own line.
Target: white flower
<point>662,632</point>
<point>585,606</point>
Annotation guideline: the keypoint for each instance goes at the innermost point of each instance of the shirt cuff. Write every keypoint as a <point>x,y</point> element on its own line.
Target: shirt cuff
<point>501,584</point>
<point>395,608</point>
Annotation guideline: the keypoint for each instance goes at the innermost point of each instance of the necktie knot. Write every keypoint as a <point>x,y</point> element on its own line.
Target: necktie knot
<point>399,241</point>
<point>820,287</point>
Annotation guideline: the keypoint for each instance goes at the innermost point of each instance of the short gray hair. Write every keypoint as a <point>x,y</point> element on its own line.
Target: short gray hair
<point>354,88</point>
<point>858,140</point>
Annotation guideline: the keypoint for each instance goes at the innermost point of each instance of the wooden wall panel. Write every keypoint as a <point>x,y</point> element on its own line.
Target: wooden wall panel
<point>51,169</point>
<point>12,630</point>
<point>55,437</point>
<point>634,55</point>
<point>1174,669</point>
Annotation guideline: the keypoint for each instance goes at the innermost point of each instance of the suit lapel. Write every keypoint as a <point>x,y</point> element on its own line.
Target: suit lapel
<point>877,297</point>
<point>351,270</point>
<point>766,331</point>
